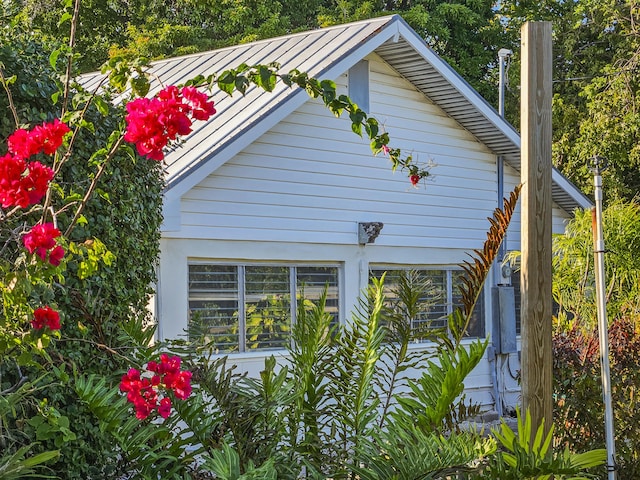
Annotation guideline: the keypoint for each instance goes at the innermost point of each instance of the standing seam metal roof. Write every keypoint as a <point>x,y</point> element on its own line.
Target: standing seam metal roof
<point>327,53</point>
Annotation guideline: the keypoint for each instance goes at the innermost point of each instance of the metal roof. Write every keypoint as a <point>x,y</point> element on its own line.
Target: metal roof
<point>326,53</point>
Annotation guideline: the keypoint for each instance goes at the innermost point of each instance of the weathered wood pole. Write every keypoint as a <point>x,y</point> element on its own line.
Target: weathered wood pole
<point>536,306</point>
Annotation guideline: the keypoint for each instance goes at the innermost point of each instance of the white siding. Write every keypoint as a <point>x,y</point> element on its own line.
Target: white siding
<point>311,178</point>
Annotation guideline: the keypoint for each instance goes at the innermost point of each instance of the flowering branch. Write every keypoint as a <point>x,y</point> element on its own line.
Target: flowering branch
<point>266,76</point>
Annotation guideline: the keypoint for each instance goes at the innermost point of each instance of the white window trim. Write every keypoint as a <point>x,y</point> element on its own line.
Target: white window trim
<point>241,291</point>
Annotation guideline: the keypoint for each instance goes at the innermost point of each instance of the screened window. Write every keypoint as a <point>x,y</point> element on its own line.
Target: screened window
<point>242,308</point>
<point>441,296</point>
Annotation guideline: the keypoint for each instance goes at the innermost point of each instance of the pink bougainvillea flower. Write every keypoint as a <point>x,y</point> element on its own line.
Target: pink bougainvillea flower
<point>45,317</point>
<point>22,184</point>
<point>46,137</point>
<point>201,107</point>
<point>415,179</point>
<point>165,407</point>
<point>56,255</point>
<point>36,182</point>
<point>182,385</point>
<point>130,381</point>
<point>149,393</point>
<point>41,240</point>
<point>385,149</point>
<point>52,135</point>
<point>11,192</point>
<point>22,144</point>
<point>153,123</point>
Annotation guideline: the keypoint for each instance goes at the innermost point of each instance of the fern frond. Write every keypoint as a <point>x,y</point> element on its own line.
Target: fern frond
<point>355,367</point>
<point>409,452</point>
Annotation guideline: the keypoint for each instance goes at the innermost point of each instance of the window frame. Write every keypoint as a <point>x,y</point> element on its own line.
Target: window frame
<point>241,295</point>
<point>448,288</point>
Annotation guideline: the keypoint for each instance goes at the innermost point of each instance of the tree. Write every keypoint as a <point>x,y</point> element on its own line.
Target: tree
<point>573,276</point>
<point>120,226</point>
<point>596,82</point>
<point>466,33</point>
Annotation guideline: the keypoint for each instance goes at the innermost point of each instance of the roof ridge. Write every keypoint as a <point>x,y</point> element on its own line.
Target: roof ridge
<point>383,20</point>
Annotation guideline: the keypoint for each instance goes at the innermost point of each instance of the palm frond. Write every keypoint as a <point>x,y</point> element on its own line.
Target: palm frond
<point>477,269</point>
<point>436,400</point>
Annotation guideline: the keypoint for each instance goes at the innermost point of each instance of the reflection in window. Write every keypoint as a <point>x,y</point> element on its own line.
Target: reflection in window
<point>440,298</point>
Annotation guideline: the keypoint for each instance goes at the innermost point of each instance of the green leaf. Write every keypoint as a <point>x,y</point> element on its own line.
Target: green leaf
<point>227,81</point>
<point>102,105</point>
<point>66,16</point>
<point>53,58</point>
<point>267,78</point>
<point>140,85</point>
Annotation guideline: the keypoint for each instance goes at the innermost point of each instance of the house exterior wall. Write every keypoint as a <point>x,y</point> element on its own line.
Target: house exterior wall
<point>297,194</point>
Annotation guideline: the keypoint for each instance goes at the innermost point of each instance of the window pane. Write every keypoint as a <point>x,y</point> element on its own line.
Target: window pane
<point>312,281</point>
<point>436,314</point>
<point>432,305</point>
<point>267,304</point>
<point>213,305</point>
<point>476,324</point>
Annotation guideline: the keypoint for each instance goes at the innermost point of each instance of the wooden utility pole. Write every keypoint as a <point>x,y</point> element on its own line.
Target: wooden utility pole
<point>536,306</point>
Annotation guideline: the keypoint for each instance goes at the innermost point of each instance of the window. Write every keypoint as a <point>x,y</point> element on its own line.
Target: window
<point>442,296</point>
<point>242,308</point>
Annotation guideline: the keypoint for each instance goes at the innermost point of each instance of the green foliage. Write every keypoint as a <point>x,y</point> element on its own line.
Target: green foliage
<point>19,461</point>
<point>18,465</point>
<point>437,402</point>
<point>573,267</point>
<point>107,281</point>
<point>225,464</point>
<point>522,458</point>
<point>595,87</point>
<point>578,407</point>
<point>406,451</point>
<point>358,350</point>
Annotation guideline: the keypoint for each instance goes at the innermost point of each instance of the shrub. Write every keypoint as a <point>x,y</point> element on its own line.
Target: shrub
<point>578,406</point>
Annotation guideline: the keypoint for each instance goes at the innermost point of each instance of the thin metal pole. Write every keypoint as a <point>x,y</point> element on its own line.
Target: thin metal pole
<point>503,53</point>
<point>599,164</point>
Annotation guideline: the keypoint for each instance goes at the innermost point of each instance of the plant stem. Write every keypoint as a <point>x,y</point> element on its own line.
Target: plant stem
<point>72,42</point>
<point>12,106</point>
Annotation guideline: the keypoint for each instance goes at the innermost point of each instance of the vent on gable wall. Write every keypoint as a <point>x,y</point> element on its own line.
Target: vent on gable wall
<point>359,84</point>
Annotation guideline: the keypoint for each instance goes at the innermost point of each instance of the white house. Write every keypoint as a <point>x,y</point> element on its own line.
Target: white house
<point>268,195</point>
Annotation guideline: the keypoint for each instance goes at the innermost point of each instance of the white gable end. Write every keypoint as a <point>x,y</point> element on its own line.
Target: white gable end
<point>310,178</point>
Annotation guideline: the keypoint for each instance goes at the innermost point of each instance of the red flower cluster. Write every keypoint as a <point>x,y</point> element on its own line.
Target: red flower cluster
<point>45,317</point>
<point>143,391</point>
<point>415,179</point>
<point>153,122</point>
<point>41,240</point>
<point>45,138</point>
<point>24,183</point>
